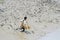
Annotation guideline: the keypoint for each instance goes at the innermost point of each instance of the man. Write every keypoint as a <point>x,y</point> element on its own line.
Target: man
<point>24,24</point>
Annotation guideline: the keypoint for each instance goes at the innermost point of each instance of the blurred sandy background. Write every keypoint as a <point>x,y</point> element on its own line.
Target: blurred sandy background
<point>43,18</point>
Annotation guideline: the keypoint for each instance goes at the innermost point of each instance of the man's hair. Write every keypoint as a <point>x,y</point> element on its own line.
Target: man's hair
<point>25,18</point>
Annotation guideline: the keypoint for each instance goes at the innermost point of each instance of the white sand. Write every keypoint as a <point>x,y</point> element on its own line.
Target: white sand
<point>43,18</point>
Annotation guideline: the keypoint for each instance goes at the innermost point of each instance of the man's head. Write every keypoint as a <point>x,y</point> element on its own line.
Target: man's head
<point>25,18</point>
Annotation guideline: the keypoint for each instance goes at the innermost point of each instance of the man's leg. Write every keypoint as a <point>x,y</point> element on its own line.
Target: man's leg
<point>23,29</point>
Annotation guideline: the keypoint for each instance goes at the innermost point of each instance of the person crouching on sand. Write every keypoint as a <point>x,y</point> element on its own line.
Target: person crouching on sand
<point>24,24</point>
